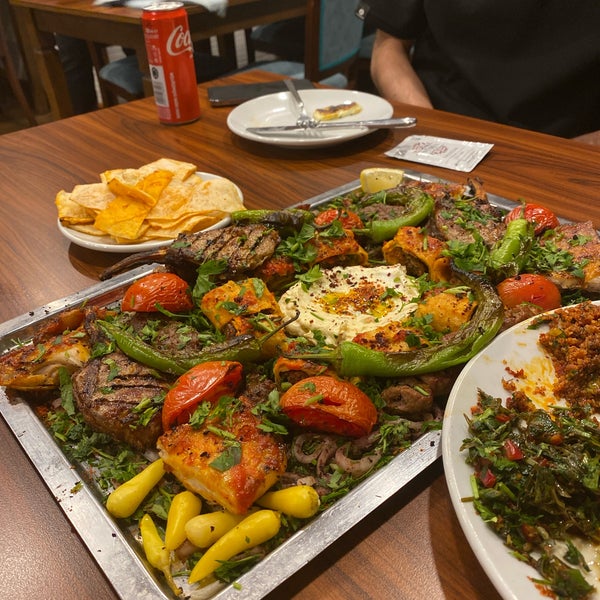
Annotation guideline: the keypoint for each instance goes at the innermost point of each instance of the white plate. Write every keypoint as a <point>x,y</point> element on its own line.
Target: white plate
<point>279,109</point>
<point>105,243</point>
<point>516,348</point>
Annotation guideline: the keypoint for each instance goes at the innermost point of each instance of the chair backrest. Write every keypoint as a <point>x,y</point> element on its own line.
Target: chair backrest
<point>333,36</point>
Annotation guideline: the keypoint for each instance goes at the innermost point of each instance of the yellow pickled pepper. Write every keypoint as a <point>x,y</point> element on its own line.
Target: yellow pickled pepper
<point>184,506</point>
<point>255,529</point>
<point>125,499</point>
<point>156,553</point>
<point>204,530</point>
<point>301,501</point>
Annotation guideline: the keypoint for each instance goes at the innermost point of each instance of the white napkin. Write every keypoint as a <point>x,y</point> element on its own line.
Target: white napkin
<point>216,6</point>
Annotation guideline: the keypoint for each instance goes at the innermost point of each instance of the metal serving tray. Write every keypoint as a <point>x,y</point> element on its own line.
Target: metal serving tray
<point>115,550</point>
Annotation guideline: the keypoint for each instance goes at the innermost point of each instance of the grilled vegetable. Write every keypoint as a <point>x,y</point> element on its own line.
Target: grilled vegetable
<point>530,288</point>
<point>166,290</point>
<point>205,382</point>
<point>418,209</point>
<point>126,499</point>
<point>204,530</point>
<point>156,553</point>
<point>301,501</point>
<point>255,529</point>
<point>184,507</point>
<point>508,257</point>
<point>329,404</point>
<point>137,349</point>
<point>245,348</point>
<point>417,204</point>
<point>541,217</point>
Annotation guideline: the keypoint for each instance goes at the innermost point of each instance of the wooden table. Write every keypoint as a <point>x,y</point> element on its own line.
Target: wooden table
<point>412,547</point>
<point>39,20</point>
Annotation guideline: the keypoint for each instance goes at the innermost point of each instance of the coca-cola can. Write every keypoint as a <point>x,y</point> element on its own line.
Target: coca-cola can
<point>171,61</point>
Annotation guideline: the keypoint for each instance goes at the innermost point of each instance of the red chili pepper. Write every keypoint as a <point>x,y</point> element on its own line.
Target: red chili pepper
<point>512,450</point>
<point>207,381</point>
<point>331,405</point>
<point>168,290</point>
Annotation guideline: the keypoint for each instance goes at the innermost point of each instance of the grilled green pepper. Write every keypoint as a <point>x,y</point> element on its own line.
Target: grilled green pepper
<point>508,256</point>
<point>352,359</point>
<point>242,348</point>
<point>417,208</point>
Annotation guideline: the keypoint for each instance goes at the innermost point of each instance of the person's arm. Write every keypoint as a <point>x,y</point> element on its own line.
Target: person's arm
<point>589,138</point>
<point>393,74</point>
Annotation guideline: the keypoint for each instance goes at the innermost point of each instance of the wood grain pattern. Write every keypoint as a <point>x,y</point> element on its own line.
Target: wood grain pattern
<point>412,548</point>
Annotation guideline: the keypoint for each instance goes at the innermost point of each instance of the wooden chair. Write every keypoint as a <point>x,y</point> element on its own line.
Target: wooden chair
<point>332,35</point>
<point>11,74</point>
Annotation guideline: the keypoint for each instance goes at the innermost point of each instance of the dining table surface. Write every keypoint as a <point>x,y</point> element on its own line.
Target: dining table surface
<point>412,546</point>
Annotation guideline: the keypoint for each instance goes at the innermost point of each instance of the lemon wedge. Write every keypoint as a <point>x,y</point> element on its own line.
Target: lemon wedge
<point>376,179</point>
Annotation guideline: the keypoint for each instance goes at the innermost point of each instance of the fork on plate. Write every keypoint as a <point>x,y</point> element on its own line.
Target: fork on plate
<point>303,120</point>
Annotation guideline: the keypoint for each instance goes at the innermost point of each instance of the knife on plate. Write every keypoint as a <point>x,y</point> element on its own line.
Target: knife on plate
<point>368,124</point>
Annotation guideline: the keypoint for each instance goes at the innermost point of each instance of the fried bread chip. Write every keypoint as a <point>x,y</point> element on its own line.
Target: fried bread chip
<point>158,201</point>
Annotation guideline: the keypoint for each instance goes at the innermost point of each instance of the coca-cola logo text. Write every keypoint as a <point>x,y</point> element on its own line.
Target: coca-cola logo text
<point>179,41</point>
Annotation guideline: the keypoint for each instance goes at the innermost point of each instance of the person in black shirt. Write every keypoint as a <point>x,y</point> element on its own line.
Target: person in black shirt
<point>533,64</point>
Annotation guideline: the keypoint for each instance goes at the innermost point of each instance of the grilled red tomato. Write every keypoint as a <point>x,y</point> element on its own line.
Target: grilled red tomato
<point>331,405</point>
<point>541,217</point>
<point>348,219</point>
<point>168,290</point>
<point>206,382</point>
<point>530,288</point>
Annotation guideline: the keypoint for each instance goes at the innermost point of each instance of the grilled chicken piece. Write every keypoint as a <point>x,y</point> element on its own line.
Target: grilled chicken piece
<point>581,240</point>
<point>243,247</point>
<point>235,484</point>
<point>419,252</point>
<point>107,392</point>
<point>59,343</point>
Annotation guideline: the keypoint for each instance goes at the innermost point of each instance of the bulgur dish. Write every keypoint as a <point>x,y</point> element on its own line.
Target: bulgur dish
<point>573,342</point>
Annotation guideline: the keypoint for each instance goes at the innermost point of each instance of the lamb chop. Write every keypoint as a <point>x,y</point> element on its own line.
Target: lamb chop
<point>581,240</point>
<point>243,247</point>
<point>465,218</point>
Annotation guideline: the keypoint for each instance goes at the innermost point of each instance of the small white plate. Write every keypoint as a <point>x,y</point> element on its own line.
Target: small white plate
<point>105,243</point>
<point>515,349</point>
<point>279,109</point>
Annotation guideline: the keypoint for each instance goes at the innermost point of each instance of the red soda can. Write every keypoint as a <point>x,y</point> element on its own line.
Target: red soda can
<point>171,61</point>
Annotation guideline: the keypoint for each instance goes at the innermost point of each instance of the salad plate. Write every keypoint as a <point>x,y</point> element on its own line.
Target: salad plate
<point>515,350</point>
